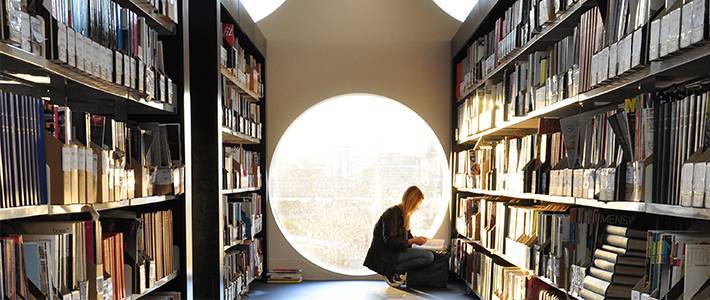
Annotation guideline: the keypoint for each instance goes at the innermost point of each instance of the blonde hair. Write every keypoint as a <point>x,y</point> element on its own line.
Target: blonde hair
<point>411,199</point>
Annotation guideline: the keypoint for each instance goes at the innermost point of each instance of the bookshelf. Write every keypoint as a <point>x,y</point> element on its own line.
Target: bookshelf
<point>230,119</point>
<point>680,71</point>
<point>91,84</point>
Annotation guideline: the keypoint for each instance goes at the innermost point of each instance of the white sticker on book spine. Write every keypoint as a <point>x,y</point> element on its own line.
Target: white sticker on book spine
<point>71,47</point>
<point>66,159</point>
<point>61,42</point>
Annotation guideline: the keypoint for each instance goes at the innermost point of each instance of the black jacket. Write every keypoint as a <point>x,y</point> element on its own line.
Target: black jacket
<point>389,239</point>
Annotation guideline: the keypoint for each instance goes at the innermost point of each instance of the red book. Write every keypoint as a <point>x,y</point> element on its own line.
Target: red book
<point>228,32</point>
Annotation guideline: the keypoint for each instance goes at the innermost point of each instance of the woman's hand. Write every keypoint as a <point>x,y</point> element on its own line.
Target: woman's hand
<point>420,240</point>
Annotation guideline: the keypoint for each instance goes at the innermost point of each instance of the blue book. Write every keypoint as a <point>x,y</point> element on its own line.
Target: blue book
<point>41,153</point>
<point>32,265</point>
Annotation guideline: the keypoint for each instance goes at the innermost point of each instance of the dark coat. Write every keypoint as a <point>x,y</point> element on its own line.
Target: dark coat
<point>389,239</point>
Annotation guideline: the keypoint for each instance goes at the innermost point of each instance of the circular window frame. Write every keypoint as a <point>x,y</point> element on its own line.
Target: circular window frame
<point>439,217</point>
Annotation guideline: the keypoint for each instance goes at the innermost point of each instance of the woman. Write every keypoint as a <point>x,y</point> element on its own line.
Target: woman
<point>390,252</point>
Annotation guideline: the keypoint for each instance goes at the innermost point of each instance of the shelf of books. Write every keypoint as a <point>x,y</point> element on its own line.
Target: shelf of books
<point>582,151</point>
<point>91,150</point>
<point>242,103</point>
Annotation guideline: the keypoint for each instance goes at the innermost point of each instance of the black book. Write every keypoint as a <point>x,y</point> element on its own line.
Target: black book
<point>4,194</point>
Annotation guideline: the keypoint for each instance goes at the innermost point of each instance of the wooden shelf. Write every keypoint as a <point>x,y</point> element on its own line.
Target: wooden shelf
<point>23,212</point>
<point>642,207</point>
<point>539,197</point>
<point>232,79</point>
<point>663,73</point>
<point>55,210</point>
<point>76,83</point>
<point>232,137</point>
<point>161,23</point>
<point>612,205</point>
<point>557,29</point>
<point>678,211</point>
<point>151,200</point>
<point>239,191</point>
<point>521,124</point>
<point>158,284</point>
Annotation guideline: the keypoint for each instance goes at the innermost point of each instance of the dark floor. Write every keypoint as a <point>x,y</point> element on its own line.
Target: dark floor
<point>316,290</point>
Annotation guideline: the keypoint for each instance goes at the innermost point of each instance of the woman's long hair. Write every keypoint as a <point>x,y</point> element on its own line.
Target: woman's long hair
<point>411,199</point>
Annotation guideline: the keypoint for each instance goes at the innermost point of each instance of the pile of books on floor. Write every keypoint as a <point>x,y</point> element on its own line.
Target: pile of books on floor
<point>284,276</point>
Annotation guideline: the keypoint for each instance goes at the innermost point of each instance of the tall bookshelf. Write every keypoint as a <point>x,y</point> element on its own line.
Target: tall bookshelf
<point>684,70</point>
<point>213,83</point>
<point>30,69</point>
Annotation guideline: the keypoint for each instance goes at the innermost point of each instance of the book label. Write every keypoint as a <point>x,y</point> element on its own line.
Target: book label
<point>126,71</point>
<point>66,159</point>
<point>686,185</point>
<point>699,180</point>
<point>61,42</point>
<point>80,61</point>
<point>25,31</point>
<point>698,27</point>
<point>71,47</point>
<point>655,40</point>
<point>686,29</point>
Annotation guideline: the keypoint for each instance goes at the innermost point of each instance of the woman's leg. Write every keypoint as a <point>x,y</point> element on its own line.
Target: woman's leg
<point>412,259</point>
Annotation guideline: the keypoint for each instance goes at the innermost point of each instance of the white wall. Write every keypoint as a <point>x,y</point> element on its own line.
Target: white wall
<point>318,49</point>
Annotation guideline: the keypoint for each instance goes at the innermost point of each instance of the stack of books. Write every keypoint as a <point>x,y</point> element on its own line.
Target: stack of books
<point>284,276</point>
<point>618,264</point>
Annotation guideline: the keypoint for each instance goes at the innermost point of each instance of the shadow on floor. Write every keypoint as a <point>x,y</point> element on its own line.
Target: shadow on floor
<point>375,290</point>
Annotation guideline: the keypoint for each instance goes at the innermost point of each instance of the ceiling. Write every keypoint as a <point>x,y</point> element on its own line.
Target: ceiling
<point>358,22</point>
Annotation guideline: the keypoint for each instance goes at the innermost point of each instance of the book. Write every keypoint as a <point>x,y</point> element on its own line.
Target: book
<point>607,289</point>
<point>613,278</point>
<point>626,232</point>
<point>619,259</point>
<point>22,158</point>
<point>624,242</point>
<point>432,244</point>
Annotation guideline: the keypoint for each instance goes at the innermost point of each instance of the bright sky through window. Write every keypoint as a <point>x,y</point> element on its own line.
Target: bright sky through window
<point>341,164</point>
<point>259,9</point>
<point>459,9</point>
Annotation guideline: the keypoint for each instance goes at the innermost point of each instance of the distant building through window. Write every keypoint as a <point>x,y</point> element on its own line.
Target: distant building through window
<point>341,164</point>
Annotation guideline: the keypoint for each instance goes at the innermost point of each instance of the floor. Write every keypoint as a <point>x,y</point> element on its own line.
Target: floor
<point>366,290</point>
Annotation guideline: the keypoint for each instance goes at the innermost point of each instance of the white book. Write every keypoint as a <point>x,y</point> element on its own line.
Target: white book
<point>696,268</point>
<point>431,244</point>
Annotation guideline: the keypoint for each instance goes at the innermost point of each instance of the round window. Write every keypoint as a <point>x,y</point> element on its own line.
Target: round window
<point>344,161</point>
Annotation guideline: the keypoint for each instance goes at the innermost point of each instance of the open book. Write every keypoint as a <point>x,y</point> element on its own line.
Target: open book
<point>431,244</point>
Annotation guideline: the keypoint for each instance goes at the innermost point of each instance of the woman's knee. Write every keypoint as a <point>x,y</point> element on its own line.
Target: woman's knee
<point>429,257</point>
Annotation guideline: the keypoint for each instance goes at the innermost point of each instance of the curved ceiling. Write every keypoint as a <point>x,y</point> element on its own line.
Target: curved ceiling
<point>361,21</point>
<point>259,9</point>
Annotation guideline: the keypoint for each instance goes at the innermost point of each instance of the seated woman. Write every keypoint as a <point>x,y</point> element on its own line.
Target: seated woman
<point>390,252</point>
